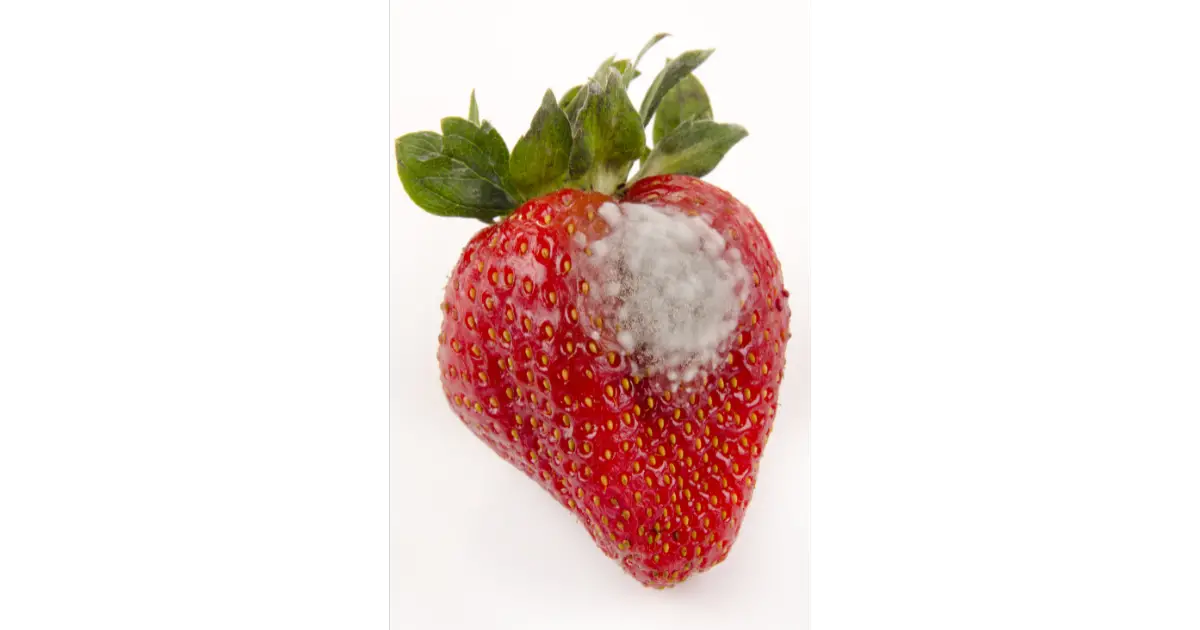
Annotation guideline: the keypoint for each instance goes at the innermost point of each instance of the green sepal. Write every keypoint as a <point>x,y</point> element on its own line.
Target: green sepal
<point>446,186</point>
<point>568,97</point>
<point>693,148</point>
<point>632,73</point>
<point>481,148</point>
<point>607,135</point>
<point>675,70</point>
<point>686,101</point>
<point>473,112</point>
<point>540,158</point>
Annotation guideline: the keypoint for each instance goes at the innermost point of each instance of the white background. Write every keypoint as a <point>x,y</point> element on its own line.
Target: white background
<point>463,520</point>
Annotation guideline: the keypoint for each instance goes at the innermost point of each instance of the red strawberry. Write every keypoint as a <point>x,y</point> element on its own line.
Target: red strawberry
<point>621,344</point>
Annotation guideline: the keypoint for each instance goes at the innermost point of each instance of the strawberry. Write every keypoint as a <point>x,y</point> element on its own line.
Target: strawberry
<point>619,339</point>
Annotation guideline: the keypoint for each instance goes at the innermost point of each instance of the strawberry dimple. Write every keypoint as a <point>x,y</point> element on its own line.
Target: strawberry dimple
<point>659,473</point>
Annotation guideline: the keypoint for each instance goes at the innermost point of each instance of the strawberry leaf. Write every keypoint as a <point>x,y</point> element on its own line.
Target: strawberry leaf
<point>480,148</point>
<point>686,101</point>
<point>607,135</point>
<point>539,159</point>
<point>473,113</point>
<point>674,71</point>
<point>694,148</point>
<point>443,185</point>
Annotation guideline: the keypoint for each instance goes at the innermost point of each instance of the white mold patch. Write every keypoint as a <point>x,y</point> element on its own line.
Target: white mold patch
<point>673,285</point>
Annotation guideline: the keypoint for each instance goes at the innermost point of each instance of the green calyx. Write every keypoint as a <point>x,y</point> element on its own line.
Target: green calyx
<point>589,139</point>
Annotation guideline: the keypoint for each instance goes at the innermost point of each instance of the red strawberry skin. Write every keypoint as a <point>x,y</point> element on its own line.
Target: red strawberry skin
<point>660,479</point>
